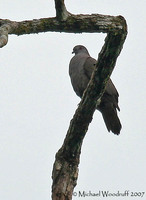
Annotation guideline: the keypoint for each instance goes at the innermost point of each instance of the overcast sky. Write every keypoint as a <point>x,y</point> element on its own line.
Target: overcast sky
<point>37,103</point>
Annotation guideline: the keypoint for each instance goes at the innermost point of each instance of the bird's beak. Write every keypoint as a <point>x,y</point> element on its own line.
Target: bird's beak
<point>73,52</point>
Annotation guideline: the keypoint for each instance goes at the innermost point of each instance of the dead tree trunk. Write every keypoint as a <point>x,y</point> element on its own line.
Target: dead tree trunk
<point>65,170</point>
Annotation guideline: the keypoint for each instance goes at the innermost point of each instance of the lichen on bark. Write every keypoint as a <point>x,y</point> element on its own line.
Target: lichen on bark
<point>65,170</point>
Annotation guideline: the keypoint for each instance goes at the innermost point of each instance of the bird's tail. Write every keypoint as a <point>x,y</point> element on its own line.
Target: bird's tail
<point>111,119</point>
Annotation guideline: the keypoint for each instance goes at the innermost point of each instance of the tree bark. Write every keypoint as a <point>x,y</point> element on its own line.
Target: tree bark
<point>94,23</point>
<point>61,12</point>
<point>65,170</point>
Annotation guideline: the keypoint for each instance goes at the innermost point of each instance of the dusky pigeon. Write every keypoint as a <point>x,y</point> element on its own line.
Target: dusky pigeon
<point>80,70</point>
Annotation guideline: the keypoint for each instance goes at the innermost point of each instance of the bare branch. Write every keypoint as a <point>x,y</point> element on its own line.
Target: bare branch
<point>4,35</point>
<point>61,12</point>
<point>74,24</point>
<point>65,171</point>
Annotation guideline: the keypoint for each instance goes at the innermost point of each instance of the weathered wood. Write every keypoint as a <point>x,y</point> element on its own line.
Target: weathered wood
<point>94,23</point>
<point>65,170</point>
<point>61,12</point>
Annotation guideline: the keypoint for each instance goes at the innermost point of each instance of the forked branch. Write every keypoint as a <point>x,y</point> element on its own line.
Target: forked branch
<point>65,170</point>
<point>61,12</point>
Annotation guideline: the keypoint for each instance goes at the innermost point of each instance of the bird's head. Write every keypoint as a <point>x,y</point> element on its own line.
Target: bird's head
<point>80,49</point>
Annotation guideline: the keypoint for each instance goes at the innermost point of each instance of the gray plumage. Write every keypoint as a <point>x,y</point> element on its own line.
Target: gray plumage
<point>80,70</point>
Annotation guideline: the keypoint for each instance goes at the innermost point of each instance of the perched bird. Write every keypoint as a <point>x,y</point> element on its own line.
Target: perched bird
<point>80,70</point>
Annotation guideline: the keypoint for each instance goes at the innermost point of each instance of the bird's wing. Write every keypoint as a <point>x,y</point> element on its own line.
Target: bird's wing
<point>77,74</point>
<point>110,93</point>
<point>89,66</point>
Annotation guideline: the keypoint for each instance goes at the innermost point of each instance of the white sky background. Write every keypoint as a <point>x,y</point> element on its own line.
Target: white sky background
<point>37,103</point>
